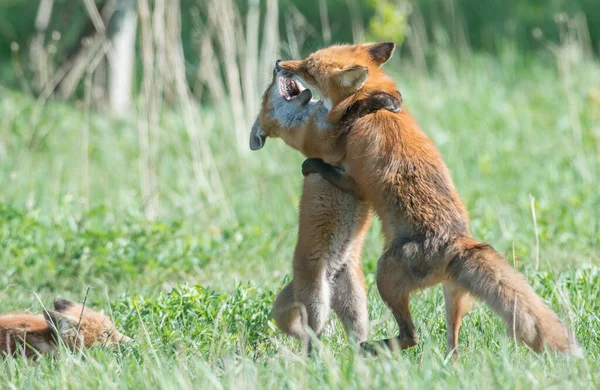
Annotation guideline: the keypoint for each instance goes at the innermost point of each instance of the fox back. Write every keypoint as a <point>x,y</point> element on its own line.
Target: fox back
<point>386,153</point>
<point>31,328</point>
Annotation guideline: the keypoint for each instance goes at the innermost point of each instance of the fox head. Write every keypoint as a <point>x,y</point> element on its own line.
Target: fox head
<point>338,72</point>
<point>95,328</point>
<point>286,108</point>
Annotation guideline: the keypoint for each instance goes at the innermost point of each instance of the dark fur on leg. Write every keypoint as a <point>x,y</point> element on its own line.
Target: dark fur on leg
<point>334,175</point>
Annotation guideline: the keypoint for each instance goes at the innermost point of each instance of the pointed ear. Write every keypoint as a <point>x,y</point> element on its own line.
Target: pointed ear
<point>64,325</point>
<point>257,136</point>
<point>381,52</point>
<point>353,77</point>
<point>305,97</point>
<point>62,305</point>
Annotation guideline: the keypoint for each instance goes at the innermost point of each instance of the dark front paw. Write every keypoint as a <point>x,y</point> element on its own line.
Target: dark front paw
<point>395,106</point>
<point>312,165</point>
<point>383,101</point>
<point>390,103</point>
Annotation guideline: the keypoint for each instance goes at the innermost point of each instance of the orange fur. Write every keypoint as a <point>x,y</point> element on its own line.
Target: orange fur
<point>33,334</point>
<point>327,273</point>
<point>399,171</point>
<point>16,327</point>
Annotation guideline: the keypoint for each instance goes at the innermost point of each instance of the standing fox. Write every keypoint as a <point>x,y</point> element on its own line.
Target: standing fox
<point>34,334</point>
<point>332,224</point>
<point>388,161</point>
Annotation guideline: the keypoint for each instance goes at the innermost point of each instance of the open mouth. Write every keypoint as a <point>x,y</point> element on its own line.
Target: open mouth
<point>289,89</point>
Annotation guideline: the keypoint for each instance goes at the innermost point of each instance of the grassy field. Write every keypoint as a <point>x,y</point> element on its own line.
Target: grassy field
<point>195,285</point>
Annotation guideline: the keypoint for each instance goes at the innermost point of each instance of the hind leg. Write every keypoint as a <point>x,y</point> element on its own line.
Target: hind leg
<point>408,336</point>
<point>313,294</point>
<point>458,302</point>
<point>395,284</point>
<point>288,314</point>
<point>300,306</point>
<point>349,301</point>
<point>404,267</point>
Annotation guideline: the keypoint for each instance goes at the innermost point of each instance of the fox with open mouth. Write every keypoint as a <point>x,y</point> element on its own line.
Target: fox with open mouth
<point>390,162</point>
<point>327,273</point>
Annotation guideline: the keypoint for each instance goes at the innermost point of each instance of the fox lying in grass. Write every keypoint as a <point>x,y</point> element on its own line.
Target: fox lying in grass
<point>332,225</point>
<point>388,161</point>
<point>34,334</point>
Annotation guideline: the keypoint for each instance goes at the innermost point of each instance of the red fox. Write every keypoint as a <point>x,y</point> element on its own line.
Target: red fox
<point>332,226</point>
<point>389,161</point>
<point>33,334</point>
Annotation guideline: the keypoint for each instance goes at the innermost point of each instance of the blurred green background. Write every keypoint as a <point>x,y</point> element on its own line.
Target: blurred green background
<point>486,26</point>
<point>125,167</point>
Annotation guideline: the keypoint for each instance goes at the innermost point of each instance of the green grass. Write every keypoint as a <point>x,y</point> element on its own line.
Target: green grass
<point>195,286</point>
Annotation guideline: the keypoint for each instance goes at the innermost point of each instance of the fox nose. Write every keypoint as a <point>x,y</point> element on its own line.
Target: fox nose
<point>277,67</point>
<point>122,339</point>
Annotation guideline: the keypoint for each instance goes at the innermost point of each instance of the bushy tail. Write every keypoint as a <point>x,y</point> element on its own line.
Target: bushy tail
<point>485,273</point>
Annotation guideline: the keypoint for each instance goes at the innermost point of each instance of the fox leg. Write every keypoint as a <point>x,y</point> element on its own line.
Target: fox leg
<point>301,305</point>
<point>314,297</point>
<point>408,336</point>
<point>395,283</point>
<point>349,301</point>
<point>334,175</point>
<point>288,314</point>
<point>332,228</point>
<point>458,302</point>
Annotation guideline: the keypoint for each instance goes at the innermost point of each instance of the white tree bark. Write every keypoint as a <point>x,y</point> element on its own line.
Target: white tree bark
<point>123,29</point>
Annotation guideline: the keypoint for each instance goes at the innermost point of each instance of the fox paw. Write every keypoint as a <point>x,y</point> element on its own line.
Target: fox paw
<point>312,165</point>
<point>401,342</point>
<point>369,349</point>
<point>392,345</point>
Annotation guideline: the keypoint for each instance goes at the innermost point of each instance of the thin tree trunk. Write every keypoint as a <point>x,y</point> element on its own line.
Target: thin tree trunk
<point>122,33</point>
<point>39,56</point>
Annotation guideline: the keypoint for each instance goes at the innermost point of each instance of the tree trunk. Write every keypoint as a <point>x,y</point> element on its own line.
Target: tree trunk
<point>39,57</point>
<point>122,33</point>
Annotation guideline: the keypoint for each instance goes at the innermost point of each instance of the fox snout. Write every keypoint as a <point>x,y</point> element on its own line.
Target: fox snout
<point>281,71</point>
<point>122,339</point>
<point>288,68</point>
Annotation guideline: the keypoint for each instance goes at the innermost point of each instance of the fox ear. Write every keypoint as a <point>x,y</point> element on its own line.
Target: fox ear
<point>305,97</point>
<point>64,325</point>
<point>381,52</point>
<point>257,136</point>
<point>353,77</point>
<point>62,305</point>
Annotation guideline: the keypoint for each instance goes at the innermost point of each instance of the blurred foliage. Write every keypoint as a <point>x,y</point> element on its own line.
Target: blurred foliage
<point>204,321</point>
<point>339,12</point>
<point>488,23</point>
<point>390,22</point>
<point>485,26</point>
<point>48,252</point>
